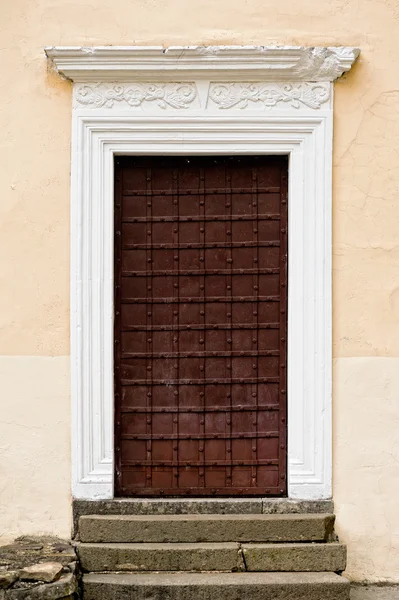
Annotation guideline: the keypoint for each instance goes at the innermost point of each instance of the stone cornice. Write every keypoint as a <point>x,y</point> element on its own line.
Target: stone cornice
<point>186,63</point>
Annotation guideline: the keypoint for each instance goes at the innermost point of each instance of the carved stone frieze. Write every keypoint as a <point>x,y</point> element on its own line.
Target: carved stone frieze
<point>224,96</point>
<point>241,95</point>
<point>164,95</point>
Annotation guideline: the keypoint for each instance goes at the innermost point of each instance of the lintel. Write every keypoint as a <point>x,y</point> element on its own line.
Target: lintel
<point>245,63</point>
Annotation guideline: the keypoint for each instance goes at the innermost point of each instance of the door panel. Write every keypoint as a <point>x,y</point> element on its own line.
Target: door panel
<point>200,325</point>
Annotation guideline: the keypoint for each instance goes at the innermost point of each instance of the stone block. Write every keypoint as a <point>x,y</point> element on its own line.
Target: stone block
<point>65,587</point>
<point>215,586</point>
<point>287,506</point>
<point>46,572</point>
<point>161,506</point>
<point>295,557</point>
<point>206,528</point>
<point>161,557</point>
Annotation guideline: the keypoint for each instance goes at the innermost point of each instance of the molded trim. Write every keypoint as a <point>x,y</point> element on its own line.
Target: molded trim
<point>307,141</point>
<point>266,63</point>
<point>148,101</point>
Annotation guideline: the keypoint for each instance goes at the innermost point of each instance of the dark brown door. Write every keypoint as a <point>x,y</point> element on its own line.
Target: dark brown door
<point>200,325</point>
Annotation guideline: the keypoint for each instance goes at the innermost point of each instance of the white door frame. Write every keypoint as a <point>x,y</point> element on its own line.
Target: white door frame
<point>148,101</point>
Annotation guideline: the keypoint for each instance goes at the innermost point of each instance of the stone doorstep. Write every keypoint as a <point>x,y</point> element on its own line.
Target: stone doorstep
<point>227,557</point>
<point>216,586</point>
<point>206,528</point>
<point>159,506</point>
<point>295,557</point>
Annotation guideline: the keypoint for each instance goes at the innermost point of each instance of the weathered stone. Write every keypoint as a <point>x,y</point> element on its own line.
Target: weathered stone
<point>286,506</point>
<point>206,528</point>
<point>160,506</point>
<point>29,561</point>
<point>72,567</point>
<point>26,551</point>
<point>65,587</point>
<point>7,578</point>
<point>47,572</point>
<point>161,557</point>
<point>295,557</point>
<point>216,586</point>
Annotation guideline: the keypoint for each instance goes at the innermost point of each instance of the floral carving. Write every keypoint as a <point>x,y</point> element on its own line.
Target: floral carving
<point>170,95</point>
<point>239,95</point>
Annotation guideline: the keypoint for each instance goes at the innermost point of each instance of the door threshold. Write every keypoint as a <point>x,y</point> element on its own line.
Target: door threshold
<point>164,506</point>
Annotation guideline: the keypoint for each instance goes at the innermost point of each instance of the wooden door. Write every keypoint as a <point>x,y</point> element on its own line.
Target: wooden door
<point>200,325</point>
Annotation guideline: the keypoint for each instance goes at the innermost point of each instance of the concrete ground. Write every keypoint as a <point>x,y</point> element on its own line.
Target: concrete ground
<point>374,592</point>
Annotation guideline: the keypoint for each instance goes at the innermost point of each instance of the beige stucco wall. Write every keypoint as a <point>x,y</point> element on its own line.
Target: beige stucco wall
<point>34,244</point>
<point>34,446</point>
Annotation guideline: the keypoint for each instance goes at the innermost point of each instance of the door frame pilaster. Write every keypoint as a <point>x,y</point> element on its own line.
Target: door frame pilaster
<point>202,101</point>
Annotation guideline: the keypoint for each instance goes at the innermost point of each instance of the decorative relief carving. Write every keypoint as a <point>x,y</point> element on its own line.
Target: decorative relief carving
<point>324,64</point>
<point>164,95</point>
<point>240,95</point>
<point>229,95</point>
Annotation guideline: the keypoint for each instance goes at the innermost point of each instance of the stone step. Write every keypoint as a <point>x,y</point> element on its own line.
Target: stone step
<point>215,586</point>
<point>209,506</point>
<point>206,528</point>
<point>228,557</point>
<point>295,557</point>
<point>161,557</point>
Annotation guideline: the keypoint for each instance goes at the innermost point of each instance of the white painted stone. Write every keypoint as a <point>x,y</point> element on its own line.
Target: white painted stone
<point>246,63</point>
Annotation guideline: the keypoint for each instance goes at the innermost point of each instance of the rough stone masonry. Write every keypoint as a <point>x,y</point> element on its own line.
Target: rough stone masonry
<point>33,568</point>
